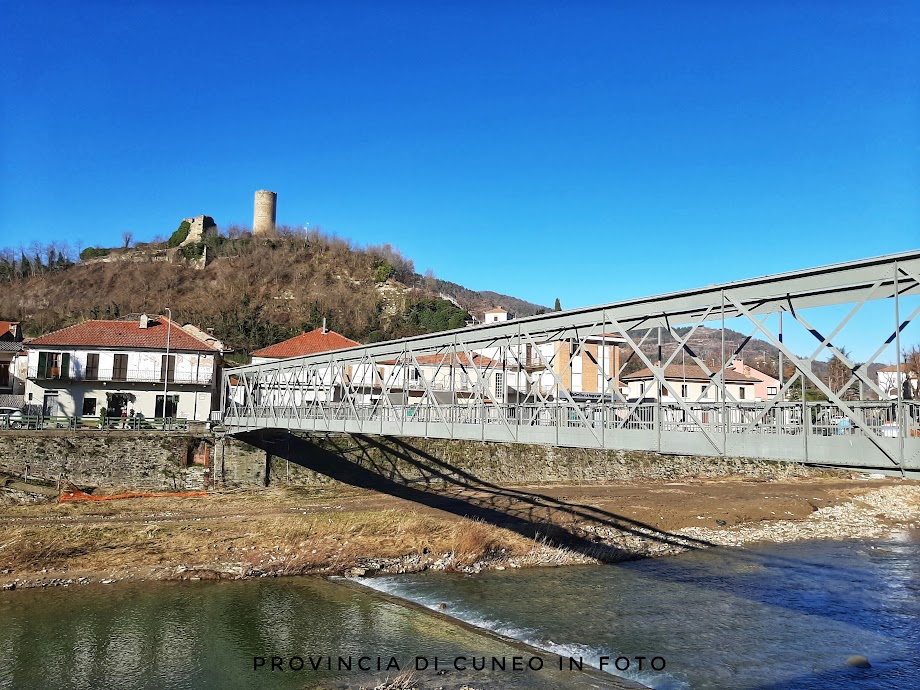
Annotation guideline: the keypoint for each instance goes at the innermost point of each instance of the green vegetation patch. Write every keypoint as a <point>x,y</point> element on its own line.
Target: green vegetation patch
<point>180,235</point>
<point>94,252</point>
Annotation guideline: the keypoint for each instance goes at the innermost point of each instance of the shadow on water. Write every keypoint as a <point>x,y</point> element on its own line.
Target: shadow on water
<point>395,467</point>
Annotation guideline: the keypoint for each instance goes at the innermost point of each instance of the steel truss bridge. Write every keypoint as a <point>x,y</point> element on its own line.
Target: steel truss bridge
<point>516,381</point>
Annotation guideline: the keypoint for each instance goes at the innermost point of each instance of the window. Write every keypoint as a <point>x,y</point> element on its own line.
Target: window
<point>741,392</point>
<point>684,390</point>
<point>53,365</point>
<point>168,367</point>
<point>499,386</point>
<point>89,406</point>
<point>120,368</point>
<point>641,389</point>
<point>663,392</point>
<point>771,390</point>
<point>5,375</point>
<point>92,367</point>
<point>172,404</point>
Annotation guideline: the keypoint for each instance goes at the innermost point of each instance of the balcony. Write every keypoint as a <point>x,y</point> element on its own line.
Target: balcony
<point>201,378</point>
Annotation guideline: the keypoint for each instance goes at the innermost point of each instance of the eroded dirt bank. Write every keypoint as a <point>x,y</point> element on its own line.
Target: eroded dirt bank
<point>344,530</point>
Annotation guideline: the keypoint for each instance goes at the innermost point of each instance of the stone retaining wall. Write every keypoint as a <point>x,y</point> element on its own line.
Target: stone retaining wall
<point>154,461</point>
<point>166,461</point>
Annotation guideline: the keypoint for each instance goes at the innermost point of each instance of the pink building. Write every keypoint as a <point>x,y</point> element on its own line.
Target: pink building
<point>765,388</point>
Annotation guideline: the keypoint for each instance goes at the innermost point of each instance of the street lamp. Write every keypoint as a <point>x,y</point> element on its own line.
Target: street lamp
<point>166,363</point>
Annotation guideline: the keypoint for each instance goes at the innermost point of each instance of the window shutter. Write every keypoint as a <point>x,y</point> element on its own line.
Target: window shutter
<point>65,365</point>
<point>42,365</point>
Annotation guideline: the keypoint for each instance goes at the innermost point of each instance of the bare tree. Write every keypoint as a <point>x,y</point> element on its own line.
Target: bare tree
<point>126,237</point>
<point>838,374</point>
<point>911,370</point>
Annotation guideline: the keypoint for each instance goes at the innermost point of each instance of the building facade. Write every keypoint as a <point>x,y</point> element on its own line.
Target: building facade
<point>766,387</point>
<point>690,383</point>
<point>12,379</point>
<point>150,367</point>
<point>898,378</point>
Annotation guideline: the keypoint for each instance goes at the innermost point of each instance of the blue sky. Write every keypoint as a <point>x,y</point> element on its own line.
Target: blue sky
<point>591,151</point>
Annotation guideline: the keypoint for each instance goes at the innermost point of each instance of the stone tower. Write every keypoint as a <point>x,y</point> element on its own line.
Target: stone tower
<point>263,218</point>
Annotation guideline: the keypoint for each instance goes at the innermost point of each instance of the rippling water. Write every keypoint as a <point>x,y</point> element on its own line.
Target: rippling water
<point>206,635</point>
<point>771,616</point>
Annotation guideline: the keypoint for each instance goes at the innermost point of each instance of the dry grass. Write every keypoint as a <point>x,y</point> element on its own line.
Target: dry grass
<point>473,541</point>
<point>269,532</point>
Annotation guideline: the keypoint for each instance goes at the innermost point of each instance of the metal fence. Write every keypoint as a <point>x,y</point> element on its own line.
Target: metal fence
<point>48,422</point>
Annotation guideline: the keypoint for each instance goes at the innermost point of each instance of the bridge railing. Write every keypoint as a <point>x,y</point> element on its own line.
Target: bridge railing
<point>787,418</point>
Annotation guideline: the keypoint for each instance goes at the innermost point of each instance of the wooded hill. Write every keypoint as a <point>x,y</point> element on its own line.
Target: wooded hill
<point>254,291</point>
<point>257,291</point>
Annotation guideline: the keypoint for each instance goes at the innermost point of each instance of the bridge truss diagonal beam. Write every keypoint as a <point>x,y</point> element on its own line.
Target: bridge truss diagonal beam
<point>517,381</point>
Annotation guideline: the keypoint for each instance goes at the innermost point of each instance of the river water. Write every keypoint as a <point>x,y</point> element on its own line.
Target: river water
<point>769,616</point>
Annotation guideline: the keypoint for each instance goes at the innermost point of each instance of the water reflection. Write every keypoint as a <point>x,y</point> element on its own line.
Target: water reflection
<point>205,635</point>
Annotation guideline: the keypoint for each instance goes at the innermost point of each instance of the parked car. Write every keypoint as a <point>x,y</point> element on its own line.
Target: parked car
<point>11,418</point>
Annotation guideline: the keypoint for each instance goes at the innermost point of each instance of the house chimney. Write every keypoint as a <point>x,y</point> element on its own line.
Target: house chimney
<point>144,320</point>
<point>325,330</point>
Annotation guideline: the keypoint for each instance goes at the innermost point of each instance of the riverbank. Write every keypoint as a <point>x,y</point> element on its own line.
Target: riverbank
<point>340,530</point>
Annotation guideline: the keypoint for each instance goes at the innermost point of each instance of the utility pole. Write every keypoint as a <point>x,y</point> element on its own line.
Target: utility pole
<point>166,363</point>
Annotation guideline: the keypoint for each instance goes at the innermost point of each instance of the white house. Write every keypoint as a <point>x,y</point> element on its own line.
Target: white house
<point>316,341</point>
<point>139,366</point>
<point>295,387</point>
<point>449,377</point>
<point>496,315</point>
<point>892,378</point>
<point>12,383</point>
<point>691,384</point>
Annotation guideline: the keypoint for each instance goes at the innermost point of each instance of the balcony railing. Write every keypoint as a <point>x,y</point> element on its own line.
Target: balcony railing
<point>201,378</point>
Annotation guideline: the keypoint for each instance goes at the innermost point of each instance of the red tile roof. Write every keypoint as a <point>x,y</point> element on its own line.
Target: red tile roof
<point>458,359</point>
<point>307,344</point>
<point>689,372</point>
<point>125,334</point>
<point>5,328</point>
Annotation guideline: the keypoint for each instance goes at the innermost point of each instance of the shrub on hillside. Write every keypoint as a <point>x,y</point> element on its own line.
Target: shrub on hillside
<point>180,235</point>
<point>93,253</point>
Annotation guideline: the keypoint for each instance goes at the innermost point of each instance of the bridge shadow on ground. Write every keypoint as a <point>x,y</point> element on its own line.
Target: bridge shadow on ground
<point>395,467</point>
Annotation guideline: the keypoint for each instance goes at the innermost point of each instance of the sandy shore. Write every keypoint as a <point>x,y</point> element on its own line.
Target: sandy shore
<point>295,531</point>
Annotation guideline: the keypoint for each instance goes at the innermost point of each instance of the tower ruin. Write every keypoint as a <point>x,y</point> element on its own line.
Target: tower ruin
<point>263,218</point>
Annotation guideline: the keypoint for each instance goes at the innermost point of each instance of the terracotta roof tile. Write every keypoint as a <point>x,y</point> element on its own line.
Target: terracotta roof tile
<point>307,344</point>
<point>5,333</point>
<point>458,359</point>
<point>124,334</point>
<point>690,372</point>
